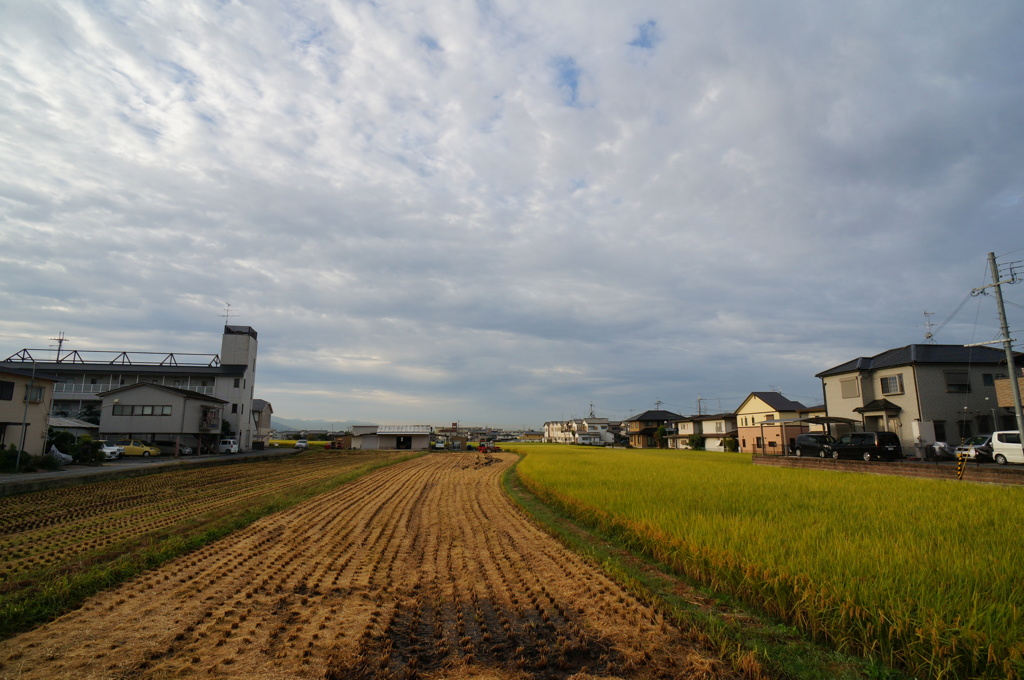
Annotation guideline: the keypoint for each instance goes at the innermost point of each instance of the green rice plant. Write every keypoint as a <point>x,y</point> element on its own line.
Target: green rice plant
<point>924,574</point>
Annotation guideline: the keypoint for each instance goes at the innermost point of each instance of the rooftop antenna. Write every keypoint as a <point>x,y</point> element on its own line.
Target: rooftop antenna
<point>60,343</point>
<point>591,411</point>
<point>657,404</point>
<point>227,313</point>
<point>929,336</point>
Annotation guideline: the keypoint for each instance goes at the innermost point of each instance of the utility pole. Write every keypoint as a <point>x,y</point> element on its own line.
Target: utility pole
<point>1005,329</point>
<point>24,418</point>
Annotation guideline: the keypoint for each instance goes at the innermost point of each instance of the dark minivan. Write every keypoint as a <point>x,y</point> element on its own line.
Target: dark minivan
<point>812,444</point>
<point>867,446</point>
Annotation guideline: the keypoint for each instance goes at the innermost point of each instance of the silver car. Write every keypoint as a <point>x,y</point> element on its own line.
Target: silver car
<point>112,452</point>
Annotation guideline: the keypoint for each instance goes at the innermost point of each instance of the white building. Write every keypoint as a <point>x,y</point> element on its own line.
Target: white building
<point>229,376</point>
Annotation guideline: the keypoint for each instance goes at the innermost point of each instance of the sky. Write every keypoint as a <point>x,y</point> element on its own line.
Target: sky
<point>506,212</point>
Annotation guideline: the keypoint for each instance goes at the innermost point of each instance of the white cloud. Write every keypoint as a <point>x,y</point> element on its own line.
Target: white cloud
<point>416,203</point>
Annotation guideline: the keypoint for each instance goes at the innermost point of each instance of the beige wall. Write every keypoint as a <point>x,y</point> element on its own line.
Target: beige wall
<point>13,412</point>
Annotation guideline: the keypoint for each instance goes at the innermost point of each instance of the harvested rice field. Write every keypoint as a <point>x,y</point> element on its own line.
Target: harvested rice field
<point>424,569</point>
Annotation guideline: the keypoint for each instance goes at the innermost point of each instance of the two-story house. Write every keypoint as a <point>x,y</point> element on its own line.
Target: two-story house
<point>716,428</point>
<point>25,396</point>
<point>923,393</point>
<point>642,429</point>
<point>767,422</point>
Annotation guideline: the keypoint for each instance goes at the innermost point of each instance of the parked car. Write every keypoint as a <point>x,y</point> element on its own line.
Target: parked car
<point>979,446</point>
<point>1006,447</point>
<point>812,444</point>
<point>302,444</point>
<point>137,447</point>
<point>867,445</point>
<point>167,448</point>
<point>111,451</point>
<point>228,446</point>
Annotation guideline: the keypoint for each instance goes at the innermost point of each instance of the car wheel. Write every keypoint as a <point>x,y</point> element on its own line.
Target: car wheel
<point>821,453</point>
<point>145,454</point>
<point>835,455</point>
<point>798,453</point>
<point>867,455</point>
<point>1001,459</point>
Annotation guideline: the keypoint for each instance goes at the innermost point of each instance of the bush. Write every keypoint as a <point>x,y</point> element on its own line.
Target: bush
<point>731,444</point>
<point>88,452</point>
<point>696,442</point>
<point>9,458</point>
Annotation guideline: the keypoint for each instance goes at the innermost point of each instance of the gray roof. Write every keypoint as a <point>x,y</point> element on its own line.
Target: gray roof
<point>189,394</point>
<point>778,402</point>
<point>58,421</point>
<point>921,354</point>
<point>654,415</point>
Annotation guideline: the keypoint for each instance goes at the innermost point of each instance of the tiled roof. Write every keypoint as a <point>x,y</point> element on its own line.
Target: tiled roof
<point>921,354</point>
<point>778,402</point>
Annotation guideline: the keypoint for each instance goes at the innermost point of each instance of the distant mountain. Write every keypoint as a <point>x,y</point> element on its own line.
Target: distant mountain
<point>295,424</point>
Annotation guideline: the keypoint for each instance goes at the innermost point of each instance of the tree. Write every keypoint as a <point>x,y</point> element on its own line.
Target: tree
<point>696,441</point>
<point>90,413</point>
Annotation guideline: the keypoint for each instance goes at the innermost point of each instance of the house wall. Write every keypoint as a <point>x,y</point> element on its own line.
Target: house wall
<point>185,417</point>
<point>749,417</point>
<point>238,348</point>
<point>13,412</point>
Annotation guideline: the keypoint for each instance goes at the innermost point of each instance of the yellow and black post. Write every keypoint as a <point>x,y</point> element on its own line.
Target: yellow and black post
<point>961,463</point>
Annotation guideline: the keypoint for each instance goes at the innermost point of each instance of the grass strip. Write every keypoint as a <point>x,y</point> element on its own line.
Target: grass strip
<point>54,591</point>
<point>751,642</point>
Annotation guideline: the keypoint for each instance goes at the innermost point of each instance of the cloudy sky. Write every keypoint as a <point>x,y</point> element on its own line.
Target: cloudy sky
<point>503,211</point>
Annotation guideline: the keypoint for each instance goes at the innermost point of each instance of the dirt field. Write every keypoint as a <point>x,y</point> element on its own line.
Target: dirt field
<point>420,570</point>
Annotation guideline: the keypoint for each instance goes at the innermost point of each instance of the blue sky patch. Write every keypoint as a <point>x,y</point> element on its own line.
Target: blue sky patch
<point>647,35</point>
<point>567,79</point>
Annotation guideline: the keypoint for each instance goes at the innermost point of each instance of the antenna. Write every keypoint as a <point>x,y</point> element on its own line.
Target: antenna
<point>591,411</point>
<point>60,343</point>
<point>929,336</point>
<point>657,404</point>
<point>227,313</point>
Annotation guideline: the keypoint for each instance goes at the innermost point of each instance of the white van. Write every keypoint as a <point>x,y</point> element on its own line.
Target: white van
<point>228,446</point>
<point>1006,447</point>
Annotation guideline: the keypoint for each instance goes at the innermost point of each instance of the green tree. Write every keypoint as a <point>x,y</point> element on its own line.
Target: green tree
<point>696,442</point>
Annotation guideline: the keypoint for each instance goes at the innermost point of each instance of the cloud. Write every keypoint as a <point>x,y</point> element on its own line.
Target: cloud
<point>503,211</point>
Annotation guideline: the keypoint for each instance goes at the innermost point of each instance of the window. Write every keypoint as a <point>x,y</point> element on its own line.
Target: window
<point>957,381</point>
<point>6,390</point>
<point>34,394</point>
<point>940,430</point>
<point>849,388</point>
<point>237,382</point>
<point>988,380</point>
<point>892,384</point>
<point>234,408</point>
<point>141,410</point>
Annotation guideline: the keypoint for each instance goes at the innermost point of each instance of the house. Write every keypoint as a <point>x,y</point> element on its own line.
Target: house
<point>642,429</point>
<point>157,412</point>
<point>261,413</point>
<point>716,429</point>
<point>229,376</point>
<point>682,429</point>
<point>767,422</point>
<point>387,437</point>
<point>589,431</point>
<point>923,393</point>
<point>25,396</point>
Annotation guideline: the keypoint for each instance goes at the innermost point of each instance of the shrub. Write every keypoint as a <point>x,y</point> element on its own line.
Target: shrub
<point>696,442</point>
<point>88,452</point>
